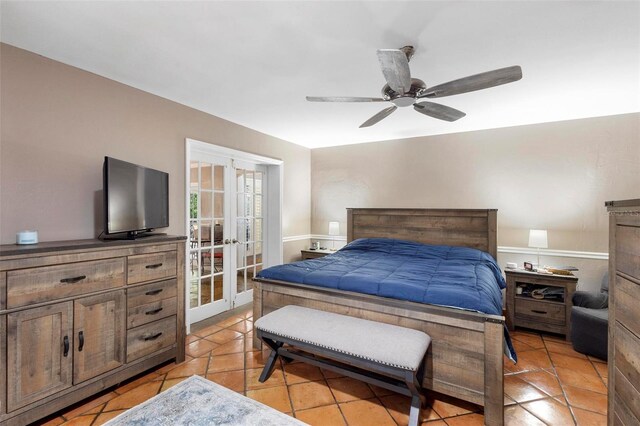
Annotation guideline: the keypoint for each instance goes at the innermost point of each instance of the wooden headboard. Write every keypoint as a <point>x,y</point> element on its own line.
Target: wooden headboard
<point>453,227</point>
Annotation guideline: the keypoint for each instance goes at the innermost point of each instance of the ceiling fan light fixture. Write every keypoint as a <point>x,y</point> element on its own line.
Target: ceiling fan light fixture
<point>403,101</point>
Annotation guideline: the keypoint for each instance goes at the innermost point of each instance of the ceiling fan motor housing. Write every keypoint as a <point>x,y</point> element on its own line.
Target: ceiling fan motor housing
<point>417,86</point>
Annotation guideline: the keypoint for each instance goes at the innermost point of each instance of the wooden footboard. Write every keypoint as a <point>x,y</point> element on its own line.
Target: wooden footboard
<point>465,360</point>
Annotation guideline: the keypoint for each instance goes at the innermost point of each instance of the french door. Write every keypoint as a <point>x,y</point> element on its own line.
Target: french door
<point>249,229</point>
<point>226,232</point>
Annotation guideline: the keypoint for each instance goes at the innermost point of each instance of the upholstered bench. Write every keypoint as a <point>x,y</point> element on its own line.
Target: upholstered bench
<point>384,355</point>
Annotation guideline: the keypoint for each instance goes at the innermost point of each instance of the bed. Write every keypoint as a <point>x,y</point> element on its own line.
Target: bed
<point>466,356</point>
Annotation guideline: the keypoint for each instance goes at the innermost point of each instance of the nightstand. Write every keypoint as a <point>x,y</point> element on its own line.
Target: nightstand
<point>314,254</point>
<point>552,313</point>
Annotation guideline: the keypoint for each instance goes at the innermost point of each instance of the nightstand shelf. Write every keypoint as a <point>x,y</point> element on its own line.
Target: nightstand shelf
<point>552,302</point>
<point>551,313</point>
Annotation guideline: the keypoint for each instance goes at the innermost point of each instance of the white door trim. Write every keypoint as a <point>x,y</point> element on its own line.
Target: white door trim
<point>223,151</point>
<point>273,229</point>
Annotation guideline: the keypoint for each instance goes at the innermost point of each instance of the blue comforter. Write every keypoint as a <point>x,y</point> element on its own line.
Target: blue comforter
<point>449,276</point>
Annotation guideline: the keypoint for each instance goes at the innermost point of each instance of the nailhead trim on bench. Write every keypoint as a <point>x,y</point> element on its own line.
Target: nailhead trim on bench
<point>404,367</point>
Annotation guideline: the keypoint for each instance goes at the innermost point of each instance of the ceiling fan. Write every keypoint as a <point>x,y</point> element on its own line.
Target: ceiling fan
<point>402,90</point>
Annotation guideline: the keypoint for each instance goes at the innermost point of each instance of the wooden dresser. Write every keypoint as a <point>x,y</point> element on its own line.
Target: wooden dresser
<point>77,317</point>
<point>624,312</point>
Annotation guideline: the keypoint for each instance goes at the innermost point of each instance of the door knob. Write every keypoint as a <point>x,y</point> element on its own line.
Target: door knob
<point>234,241</point>
<point>227,241</point>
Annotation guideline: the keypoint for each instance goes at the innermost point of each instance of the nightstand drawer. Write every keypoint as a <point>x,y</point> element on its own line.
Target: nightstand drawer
<point>540,311</point>
<point>314,254</point>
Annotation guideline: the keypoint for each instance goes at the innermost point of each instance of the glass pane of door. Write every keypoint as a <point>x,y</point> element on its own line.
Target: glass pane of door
<point>207,260</point>
<point>249,226</point>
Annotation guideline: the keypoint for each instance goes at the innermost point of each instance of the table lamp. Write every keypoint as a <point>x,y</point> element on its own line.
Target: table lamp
<point>538,240</point>
<point>334,229</point>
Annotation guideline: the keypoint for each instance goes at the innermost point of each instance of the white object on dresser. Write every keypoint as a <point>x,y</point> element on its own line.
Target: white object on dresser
<point>27,237</point>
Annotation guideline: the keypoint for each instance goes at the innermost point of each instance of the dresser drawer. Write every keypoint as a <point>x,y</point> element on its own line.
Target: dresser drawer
<point>148,293</point>
<point>151,302</point>
<point>149,338</point>
<point>550,313</point>
<point>627,298</point>
<point>35,285</point>
<point>622,414</point>
<point>148,267</point>
<point>628,250</point>
<point>627,361</point>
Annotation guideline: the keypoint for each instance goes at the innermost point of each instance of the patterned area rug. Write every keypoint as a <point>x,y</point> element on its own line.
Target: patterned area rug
<point>198,402</point>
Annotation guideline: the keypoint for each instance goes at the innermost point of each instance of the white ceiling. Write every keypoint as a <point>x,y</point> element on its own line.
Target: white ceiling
<point>253,62</point>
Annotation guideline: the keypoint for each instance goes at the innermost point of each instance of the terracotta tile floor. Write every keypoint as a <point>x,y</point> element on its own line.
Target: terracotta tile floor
<point>552,384</point>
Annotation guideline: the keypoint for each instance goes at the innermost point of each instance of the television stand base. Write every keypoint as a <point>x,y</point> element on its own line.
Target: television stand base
<point>131,236</point>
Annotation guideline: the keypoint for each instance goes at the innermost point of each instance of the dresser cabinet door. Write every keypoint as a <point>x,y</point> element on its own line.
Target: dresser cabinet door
<point>99,334</point>
<point>39,353</point>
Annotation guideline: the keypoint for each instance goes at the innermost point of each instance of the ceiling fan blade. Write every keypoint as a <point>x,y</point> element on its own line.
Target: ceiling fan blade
<point>342,99</point>
<point>395,68</point>
<point>441,112</point>
<point>379,116</point>
<point>475,82</point>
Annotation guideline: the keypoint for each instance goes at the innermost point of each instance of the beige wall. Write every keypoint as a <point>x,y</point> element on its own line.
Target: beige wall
<point>553,176</point>
<point>57,124</point>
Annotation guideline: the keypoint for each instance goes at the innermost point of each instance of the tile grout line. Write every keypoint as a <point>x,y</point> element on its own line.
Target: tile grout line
<point>572,407</point>
<point>600,375</point>
<point>99,413</point>
<point>555,373</point>
<point>387,410</point>
<point>334,396</point>
<point>286,385</point>
<point>564,394</point>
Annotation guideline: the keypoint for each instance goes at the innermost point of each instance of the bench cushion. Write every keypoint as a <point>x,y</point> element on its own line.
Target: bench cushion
<point>374,341</point>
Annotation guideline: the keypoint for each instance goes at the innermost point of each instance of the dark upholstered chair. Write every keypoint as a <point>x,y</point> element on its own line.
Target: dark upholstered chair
<point>590,321</point>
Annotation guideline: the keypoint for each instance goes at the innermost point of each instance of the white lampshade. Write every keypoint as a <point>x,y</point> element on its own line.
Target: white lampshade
<point>538,238</point>
<point>334,228</point>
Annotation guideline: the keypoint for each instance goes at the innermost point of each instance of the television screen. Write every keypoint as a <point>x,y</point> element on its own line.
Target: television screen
<point>136,198</point>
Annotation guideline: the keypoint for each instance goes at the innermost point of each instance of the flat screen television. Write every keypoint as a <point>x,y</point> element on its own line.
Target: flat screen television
<point>136,199</point>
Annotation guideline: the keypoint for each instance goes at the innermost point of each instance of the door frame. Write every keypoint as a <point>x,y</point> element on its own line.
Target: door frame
<point>273,249</point>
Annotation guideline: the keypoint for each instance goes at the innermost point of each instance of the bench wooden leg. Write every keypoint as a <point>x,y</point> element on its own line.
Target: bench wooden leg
<point>414,414</point>
<point>417,399</point>
<point>271,361</point>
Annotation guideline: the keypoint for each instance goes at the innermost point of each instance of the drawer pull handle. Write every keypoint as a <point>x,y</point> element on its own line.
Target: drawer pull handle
<point>81,339</point>
<point>538,312</point>
<point>154,292</point>
<point>65,343</point>
<point>153,336</point>
<point>153,312</point>
<point>154,266</point>
<point>73,279</point>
